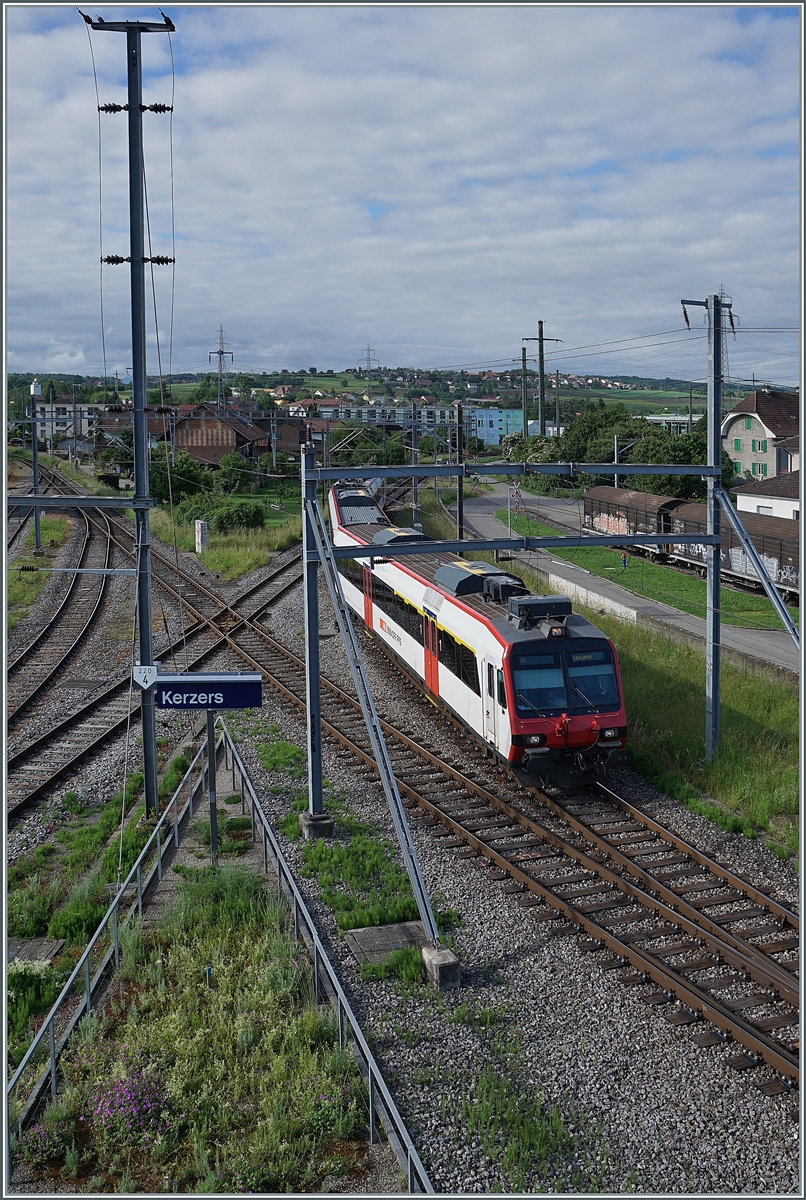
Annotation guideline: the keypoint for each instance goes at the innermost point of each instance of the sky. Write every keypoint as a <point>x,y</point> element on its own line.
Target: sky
<point>427,180</point>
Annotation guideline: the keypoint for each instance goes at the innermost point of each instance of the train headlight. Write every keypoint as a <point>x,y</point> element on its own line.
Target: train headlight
<point>535,739</point>
<point>609,733</point>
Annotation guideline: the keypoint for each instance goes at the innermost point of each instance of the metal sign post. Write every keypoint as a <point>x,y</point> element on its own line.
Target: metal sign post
<point>210,690</point>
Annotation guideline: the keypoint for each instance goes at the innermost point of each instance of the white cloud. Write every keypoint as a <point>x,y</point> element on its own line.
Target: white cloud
<point>432,179</point>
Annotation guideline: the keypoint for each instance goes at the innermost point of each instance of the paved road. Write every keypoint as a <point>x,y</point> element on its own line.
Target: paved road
<point>769,645</point>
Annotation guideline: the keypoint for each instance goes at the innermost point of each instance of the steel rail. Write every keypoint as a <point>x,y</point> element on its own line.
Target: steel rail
<point>657,886</point>
<point>46,633</point>
<point>761,968</point>
<point>779,910</point>
<point>722,1016</point>
<point>772,1051</point>
<point>223,638</point>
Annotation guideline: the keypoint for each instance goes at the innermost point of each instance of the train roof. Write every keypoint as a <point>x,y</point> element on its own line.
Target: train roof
<point>644,501</point>
<point>757,525</point>
<point>462,581</point>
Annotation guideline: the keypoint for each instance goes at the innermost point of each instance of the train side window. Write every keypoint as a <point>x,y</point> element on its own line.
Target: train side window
<point>502,695</point>
<point>490,676</point>
<point>468,672</point>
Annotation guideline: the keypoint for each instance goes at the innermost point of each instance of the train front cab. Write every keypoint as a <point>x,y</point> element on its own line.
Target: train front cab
<point>565,709</point>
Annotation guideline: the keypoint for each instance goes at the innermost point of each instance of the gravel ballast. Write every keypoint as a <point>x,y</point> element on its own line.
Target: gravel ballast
<point>648,1110</point>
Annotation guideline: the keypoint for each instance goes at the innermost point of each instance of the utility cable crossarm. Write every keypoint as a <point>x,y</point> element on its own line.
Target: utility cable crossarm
<point>769,587</point>
<point>164,26</point>
<point>377,741</point>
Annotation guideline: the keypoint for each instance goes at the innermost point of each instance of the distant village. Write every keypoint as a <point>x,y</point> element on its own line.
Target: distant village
<point>262,416</point>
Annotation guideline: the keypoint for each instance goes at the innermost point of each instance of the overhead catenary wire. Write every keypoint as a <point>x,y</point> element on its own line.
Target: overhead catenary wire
<point>100,206</point>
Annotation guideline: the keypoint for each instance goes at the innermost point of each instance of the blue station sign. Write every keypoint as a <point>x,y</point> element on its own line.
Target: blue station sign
<point>213,689</point>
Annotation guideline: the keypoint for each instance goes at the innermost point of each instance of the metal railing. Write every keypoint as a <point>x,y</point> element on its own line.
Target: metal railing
<point>158,845</point>
<point>325,979</point>
<point>172,818</point>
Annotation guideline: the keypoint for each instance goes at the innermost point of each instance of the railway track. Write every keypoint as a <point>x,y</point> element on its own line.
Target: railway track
<point>19,516</point>
<point>36,766</point>
<point>721,967</point>
<point>708,945</point>
<point>39,664</point>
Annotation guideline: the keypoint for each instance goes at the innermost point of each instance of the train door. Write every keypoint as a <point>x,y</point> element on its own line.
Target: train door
<point>367,597</point>
<point>431,654</point>
<point>489,701</point>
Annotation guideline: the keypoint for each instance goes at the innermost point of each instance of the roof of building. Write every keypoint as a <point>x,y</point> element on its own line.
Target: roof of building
<point>779,412</point>
<point>785,486</point>
<point>791,444</point>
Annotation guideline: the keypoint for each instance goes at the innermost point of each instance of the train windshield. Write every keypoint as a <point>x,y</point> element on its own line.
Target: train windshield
<point>546,684</point>
<point>538,685</point>
<point>592,680</point>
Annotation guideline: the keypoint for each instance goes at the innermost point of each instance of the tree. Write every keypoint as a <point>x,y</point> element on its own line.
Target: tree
<point>207,391</point>
<point>234,472</point>
<point>187,476</point>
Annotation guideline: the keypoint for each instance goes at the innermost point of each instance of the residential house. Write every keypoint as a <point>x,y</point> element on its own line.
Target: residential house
<point>776,497</point>
<point>788,450</point>
<point>207,434</point>
<point>758,427</point>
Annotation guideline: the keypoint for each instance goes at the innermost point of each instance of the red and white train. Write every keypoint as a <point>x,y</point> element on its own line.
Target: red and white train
<point>535,683</point>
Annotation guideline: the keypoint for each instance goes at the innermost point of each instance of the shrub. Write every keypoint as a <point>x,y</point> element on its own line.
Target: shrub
<point>29,908</point>
<point>77,921</point>
<point>223,514</point>
<point>133,1111</point>
<point>241,514</point>
<point>41,1143</point>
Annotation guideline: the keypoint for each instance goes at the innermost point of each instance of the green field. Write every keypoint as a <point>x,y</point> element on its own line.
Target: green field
<point>655,582</point>
<point>23,587</point>
<point>231,555</point>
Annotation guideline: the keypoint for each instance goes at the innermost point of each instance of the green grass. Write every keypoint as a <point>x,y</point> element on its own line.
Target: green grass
<point>25,586</point>
<point>239,1086</point>
<point>524,1140</point>
<point>358,874</point>
<point>38,883</point>
<point>233,554</point>
<point>655,582</point>
<point>755,778</point>
<point>405,964</point>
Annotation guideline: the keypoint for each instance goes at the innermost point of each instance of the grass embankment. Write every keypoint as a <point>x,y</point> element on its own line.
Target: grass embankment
<point>753,785</point>
<point>236,1085</point>
<point>240,551</point>
<point>656,582</point>
<point>58,890</point>
<point>24,586</point>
